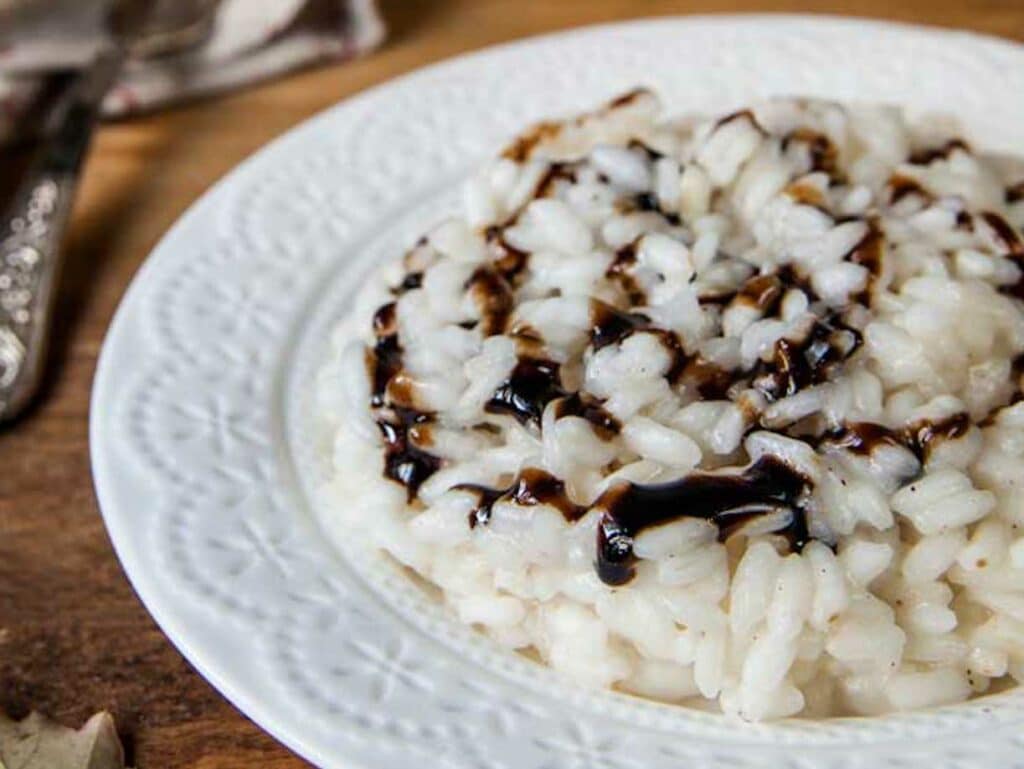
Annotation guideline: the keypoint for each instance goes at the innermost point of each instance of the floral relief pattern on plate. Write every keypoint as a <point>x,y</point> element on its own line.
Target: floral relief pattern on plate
<point>207,464</point>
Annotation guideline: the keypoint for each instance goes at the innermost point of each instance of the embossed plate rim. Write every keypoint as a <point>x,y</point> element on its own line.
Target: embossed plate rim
<point>223,653</point>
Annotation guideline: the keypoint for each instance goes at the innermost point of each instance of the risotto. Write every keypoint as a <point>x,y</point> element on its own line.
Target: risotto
<point>722,412</point>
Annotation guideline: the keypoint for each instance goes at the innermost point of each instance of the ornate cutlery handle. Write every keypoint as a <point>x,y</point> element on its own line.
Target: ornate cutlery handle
<point>30,239</point>
<point>28,276</point>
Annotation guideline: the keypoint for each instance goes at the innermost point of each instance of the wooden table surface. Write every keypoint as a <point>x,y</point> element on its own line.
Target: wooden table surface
<point>73,637</point>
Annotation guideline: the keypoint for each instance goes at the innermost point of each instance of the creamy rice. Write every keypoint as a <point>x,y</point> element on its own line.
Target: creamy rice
<point>721,412</point>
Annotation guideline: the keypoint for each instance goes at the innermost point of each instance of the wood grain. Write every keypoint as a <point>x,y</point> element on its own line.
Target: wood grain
<point>73,636</point>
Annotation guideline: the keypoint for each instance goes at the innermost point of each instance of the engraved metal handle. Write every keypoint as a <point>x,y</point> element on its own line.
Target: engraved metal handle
<point>31,234</point>
<point>28,275</point>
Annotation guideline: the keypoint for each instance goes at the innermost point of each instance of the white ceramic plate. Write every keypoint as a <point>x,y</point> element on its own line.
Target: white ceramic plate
<point>205,458</point>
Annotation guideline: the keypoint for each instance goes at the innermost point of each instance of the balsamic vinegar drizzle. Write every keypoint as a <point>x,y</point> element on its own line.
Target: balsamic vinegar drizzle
<point>823,153</point>
<point>1005,234</point>
<point>1014,193</point>
<point>652,155</point>
<point>964,221</point>
<point>486,496</point>
<point>925,156</point>
<point>901,186</point>
<point>405,462</point>
<point>385,359</point>
<point>920,437</point>
<point>532,384</point>
<point>863,437</point>
<point>493,297</point>
<point>807,195</point>
<point>802,363</point>
<point>510,262</point>
<point>401,427</point>
<point>555,172</point>
<point>727,500</point>
<point>610,325</point>
<point>645,201</point>
<point>711,381</point>
<point>588,407</point>
<point>411,281</point>
<point>763,292</point>
<point>868,254</point>
<point>743,114</point>
<point>522,148</point>
<point>720,299</point>
<point>531,487</point>
<point>627,98</point>
<point>619,270</point>
<point>1009,240</point>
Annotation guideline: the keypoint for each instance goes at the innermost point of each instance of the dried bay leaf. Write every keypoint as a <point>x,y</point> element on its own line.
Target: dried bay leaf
<point>36,742</point>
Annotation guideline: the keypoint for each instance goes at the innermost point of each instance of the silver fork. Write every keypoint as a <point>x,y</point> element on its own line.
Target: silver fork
<point>32,230</point>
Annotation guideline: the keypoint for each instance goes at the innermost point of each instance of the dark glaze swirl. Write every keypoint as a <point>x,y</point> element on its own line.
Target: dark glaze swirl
<point>920,437</point>
<point>822,151</point>
<point>556,172</point>
<point>761,292</point>
<point>923,436</point>
<point>609,325</point>
<point>1013,245</point>
<point>1005,234</point>
<point>711,381</point>
<point>493,297</point>
<point>807,195</point>
<point>521,149</point>
<point>404,461</point>
<point>411,281</point>
<point>901,186</point>
<point>620,270</point>
<point>743,114</point>
<point>645,201</point>
<point>529,387</point>
<point>800,363</point>
<point>1014,193</point>
<point>405,430</point>
<point>510,262</point>
<point>727,500</point>
<point>384,360</point>
<point>923,157</point>
<point>586,406</point>
<point>868,254</point>
<point>531,487</point>
<point>862,437</point>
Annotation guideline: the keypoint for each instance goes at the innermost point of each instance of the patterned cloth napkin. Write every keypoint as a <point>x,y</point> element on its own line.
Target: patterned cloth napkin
<point>252,40</point>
